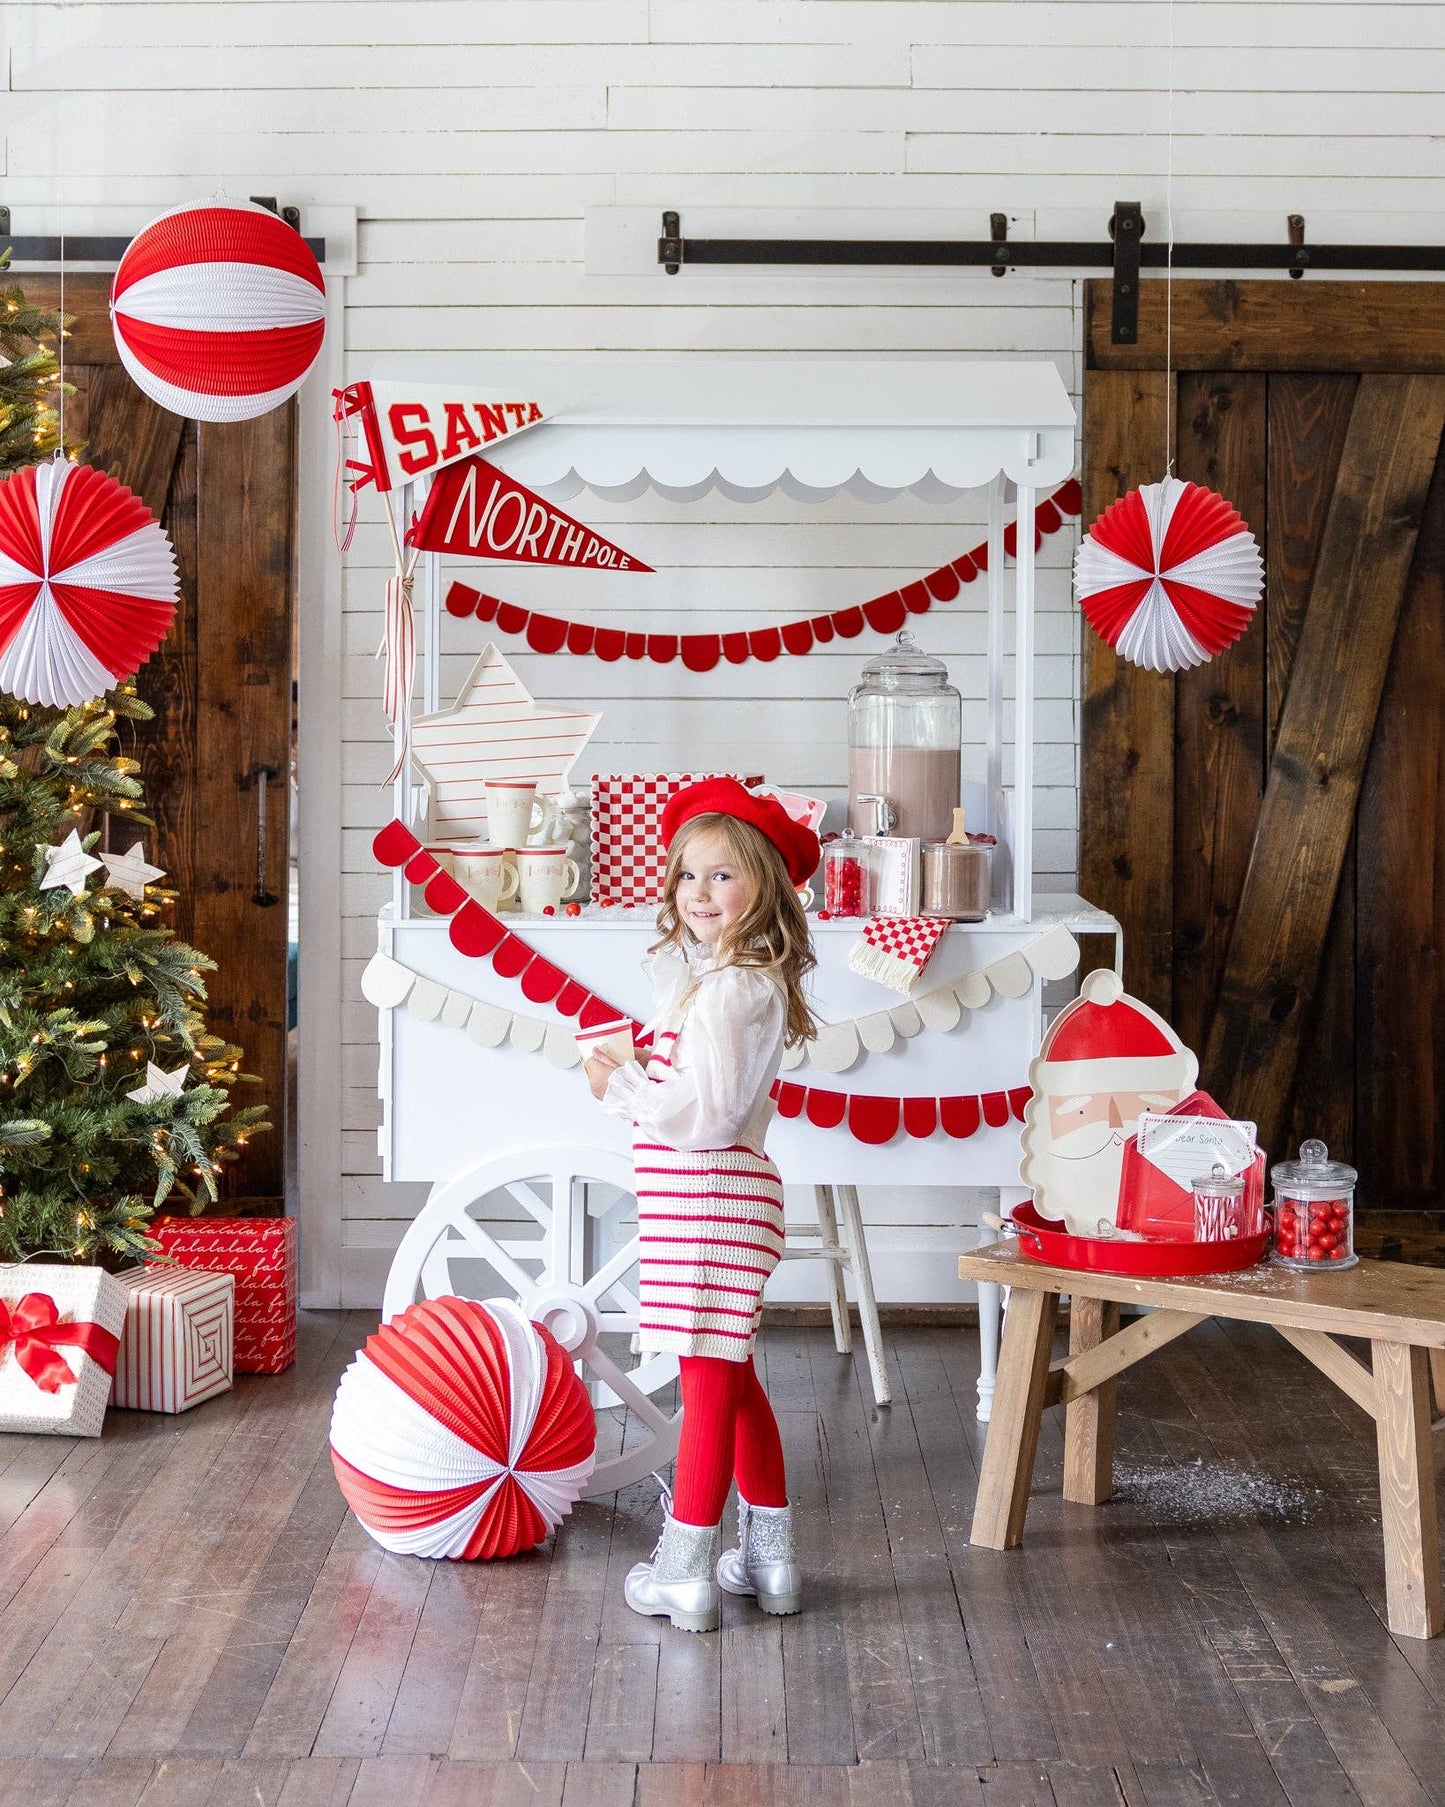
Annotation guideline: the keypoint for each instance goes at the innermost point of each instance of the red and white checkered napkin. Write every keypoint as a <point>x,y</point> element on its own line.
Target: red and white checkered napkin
<point>628,861</point>
<point>895,949</point>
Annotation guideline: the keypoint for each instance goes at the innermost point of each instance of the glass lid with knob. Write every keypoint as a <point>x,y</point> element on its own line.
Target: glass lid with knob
<point>905,731</point>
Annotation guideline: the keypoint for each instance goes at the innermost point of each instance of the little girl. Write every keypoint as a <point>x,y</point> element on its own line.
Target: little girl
<point>728,972</point>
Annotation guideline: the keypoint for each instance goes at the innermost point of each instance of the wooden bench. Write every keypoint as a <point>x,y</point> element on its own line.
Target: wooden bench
<point>1400,1311</point>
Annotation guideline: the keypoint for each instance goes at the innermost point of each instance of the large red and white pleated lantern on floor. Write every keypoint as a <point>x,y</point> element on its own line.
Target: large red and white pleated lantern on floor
<point>462,1430</point>
<point>88,583</point>
<point>218,310</point>
<point>1169,575</point>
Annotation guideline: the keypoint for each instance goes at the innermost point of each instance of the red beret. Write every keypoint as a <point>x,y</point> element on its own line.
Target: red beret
<point>726,797</point>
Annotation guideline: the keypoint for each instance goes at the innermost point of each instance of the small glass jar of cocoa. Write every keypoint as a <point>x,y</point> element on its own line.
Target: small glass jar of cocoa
<point>1314,1211</point>
<point>958,874</point>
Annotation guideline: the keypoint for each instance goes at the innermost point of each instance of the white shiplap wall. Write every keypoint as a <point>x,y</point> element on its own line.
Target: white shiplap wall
<point>475,137</point>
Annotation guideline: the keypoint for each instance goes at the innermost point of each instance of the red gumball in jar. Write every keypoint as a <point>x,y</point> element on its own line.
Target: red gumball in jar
<point>1314,1211</point>
<point>845,877</point>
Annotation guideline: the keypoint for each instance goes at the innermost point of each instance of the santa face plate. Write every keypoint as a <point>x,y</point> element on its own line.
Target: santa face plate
<point>1106,1060</point>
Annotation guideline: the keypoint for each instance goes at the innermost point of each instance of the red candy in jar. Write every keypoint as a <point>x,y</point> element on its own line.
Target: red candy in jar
<point>845,877</point>
<point>1314,1211</point>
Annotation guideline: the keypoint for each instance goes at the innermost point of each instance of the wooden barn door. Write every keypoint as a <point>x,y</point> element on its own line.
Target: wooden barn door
<point>1269,826</point>
<point>220,686</point>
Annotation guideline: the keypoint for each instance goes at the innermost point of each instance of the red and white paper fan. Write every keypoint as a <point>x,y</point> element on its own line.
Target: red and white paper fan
<point>1169,575</point>
<point>87,583</point>
<point>218,310</point>
<point>462,1430</point>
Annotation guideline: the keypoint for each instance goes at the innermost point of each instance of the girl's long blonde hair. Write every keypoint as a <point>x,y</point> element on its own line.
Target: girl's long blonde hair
<point>770,936</point>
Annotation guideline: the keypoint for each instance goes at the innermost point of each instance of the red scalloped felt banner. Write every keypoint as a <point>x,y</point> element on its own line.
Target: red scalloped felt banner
<point>480,935</point>
<point>885,614</point>
<point>877,1120</point>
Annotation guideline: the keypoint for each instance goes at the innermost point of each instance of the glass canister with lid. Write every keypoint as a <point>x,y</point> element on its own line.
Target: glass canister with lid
<point>905,732</point>
<point>846,877</point>
<point>1314,1211</point>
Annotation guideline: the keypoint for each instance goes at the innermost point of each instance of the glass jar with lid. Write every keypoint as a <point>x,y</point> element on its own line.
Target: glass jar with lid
<point>1221,1211</point>
<point>846,886</point>
<point>1314,1211</point>
<point>905,733</point>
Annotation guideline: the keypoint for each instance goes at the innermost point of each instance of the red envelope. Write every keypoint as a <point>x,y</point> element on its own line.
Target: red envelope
<point>1152,1204</point>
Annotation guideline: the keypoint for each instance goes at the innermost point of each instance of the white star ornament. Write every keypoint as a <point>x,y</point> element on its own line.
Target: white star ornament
<point>159,1085</point>
<point>129,872</point>
<point>69,865</point>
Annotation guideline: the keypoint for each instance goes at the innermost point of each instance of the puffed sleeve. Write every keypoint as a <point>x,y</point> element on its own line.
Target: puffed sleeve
<point>671,975</point>
<point>733,1035</point>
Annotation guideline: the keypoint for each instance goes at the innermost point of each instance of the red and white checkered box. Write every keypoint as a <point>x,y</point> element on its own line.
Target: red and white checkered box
<point>628,860</point>
<point>178,1344</point>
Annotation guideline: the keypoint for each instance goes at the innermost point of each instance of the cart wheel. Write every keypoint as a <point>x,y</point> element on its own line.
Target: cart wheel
<point>569,1192</point>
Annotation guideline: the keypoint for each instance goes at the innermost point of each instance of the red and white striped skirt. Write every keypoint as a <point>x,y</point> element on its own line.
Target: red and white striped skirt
<point>711,1231</point>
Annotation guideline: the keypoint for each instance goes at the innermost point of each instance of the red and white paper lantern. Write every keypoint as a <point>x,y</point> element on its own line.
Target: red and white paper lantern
<point>88,583</point>
<point>462,1430</point>
<point>218,310</point>
<point>1169,575</point>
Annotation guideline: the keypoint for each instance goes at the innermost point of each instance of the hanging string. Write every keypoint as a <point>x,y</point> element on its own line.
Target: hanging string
<point>60,451</point>
<point>1169,261</point>
<point>220,98</point>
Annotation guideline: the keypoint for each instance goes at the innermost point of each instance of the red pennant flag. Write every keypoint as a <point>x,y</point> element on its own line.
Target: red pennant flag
<point>476,511</point>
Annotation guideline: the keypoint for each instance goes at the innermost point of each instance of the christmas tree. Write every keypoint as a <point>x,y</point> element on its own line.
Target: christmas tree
<point>113,1097</point>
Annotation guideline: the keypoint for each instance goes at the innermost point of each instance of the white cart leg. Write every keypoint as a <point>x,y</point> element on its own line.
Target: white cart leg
<point>837,1287</point>
<point>867,1304</point>
<point>990,1312</point>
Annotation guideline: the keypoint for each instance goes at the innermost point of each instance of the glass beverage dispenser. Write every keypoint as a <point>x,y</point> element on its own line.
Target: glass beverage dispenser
<point>905,732</point>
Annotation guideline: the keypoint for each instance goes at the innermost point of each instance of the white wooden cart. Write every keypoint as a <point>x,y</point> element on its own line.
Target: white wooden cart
<point>531,1181</point>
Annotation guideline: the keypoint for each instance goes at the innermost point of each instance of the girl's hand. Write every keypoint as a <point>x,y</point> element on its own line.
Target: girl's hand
<point>599,1069</point>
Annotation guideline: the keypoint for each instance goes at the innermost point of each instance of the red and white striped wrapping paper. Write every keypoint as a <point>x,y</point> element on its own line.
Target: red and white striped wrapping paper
<point>261,1253</point>
<point>178,1345</point>
<point>628,860</point>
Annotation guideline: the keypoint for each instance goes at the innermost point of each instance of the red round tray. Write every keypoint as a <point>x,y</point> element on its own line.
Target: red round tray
<point>1046,1239</point>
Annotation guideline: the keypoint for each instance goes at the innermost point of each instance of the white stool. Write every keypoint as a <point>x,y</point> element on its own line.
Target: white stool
<point>821,1242</point>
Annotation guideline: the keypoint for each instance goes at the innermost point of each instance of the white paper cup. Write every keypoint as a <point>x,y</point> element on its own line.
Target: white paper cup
<point>486,873</point>
<point>515,812</point>
<point>545,877</point>
<point>613,1038</point>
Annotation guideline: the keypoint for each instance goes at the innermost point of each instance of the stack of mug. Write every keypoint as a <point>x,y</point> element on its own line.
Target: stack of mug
<point>511,868</point>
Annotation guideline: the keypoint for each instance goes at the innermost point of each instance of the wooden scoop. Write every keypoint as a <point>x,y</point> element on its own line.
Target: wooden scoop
<point>958,834</point>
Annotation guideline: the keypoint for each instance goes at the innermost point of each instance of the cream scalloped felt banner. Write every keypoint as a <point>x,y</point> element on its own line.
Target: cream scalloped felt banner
<point>388,984</point>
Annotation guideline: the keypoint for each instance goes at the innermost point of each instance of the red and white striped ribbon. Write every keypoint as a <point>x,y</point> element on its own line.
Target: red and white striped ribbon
<point>399,646</point>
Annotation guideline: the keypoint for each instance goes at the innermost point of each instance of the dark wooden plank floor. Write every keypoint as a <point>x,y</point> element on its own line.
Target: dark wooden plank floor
<point>189,1618</point>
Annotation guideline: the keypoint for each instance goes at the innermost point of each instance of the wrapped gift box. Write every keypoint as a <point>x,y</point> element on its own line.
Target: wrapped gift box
<point>628,860</point>
<point>177,1347</point>
<point>59,1336</point>
<point>261,1253</point>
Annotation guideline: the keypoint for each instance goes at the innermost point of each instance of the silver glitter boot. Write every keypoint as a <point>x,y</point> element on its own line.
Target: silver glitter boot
<point>765,1562</point>
<point>678,1583</point>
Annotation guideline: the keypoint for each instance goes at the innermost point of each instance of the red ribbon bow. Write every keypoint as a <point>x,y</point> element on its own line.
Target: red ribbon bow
<point>34,1326</point>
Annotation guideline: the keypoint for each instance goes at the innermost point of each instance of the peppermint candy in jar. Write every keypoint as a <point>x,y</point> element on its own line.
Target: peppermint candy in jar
<point>1220,1212</point>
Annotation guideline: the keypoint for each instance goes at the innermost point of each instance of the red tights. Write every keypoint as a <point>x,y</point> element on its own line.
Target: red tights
<point>728,1427</point>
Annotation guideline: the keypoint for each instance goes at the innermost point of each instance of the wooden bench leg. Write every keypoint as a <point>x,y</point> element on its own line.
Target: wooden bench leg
<point>1013,1431</point>
<point>1407,1490</point>
<point>1437,1379</point>
<point>1089,1422</point>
